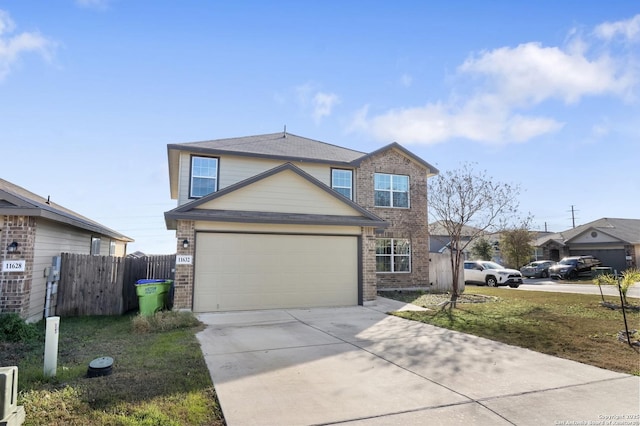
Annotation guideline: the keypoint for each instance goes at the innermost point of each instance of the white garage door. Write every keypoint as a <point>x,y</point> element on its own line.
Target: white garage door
<point>269,271</point>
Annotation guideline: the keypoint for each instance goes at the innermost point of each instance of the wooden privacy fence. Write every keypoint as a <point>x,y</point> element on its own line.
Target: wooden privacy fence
<point>441,275</point>
<point>147,267</point>
<point>105,285</point>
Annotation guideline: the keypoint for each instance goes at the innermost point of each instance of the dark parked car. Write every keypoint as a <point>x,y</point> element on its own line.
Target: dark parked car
<point>574,266</point>
<point>537,269</point>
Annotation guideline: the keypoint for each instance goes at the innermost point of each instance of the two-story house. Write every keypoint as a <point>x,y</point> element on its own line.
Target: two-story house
<point>282,221</point>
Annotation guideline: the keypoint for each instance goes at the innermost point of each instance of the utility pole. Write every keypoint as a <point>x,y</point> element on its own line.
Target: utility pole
<point>573,216</point>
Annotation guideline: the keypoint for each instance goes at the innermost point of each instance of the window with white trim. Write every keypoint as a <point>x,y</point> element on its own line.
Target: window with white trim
<point>95,246</point>
<point>342,182</point>
<point>393,255</point>
<point>391,190</point>
<point>112,248</point>
<point>204,176</point>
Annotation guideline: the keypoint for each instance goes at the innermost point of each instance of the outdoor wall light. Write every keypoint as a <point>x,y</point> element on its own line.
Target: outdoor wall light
<point>12,247</point>
<point>185,244</point>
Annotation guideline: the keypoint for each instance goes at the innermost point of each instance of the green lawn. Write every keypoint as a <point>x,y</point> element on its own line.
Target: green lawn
<point>159,377</point>
<point>572,326</point>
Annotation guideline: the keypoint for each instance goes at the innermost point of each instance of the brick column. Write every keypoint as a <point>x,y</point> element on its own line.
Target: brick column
<point>15,287</point>
<point>369,279</point>
<point>183,283</point>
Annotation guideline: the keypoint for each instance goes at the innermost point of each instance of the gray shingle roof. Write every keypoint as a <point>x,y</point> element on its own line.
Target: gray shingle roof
<point>274,145</point>
<point>29,204</point>
<point>627,230</point>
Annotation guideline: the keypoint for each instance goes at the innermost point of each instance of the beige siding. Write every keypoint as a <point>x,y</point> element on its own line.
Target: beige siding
<point>284,192</point>
<point>267,271</point>
<point>234,169</point>
<point>52,239</point>
<point>600,238</point>
<point>276,228</point>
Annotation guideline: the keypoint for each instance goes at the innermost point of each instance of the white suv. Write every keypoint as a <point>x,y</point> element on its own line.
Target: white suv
<point>490,273</point>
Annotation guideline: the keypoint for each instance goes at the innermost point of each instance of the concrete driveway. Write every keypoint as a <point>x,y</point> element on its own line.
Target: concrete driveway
<point>359,366</point>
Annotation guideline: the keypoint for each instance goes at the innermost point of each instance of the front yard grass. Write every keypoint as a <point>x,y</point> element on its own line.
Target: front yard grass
<point>159,375</point>
<point>571,326</point>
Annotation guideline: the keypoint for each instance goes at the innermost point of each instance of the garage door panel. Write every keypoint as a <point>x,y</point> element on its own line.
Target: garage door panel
<point>265,271</point>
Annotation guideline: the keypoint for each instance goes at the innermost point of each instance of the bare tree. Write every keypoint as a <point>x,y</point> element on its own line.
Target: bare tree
<point>465,198</point>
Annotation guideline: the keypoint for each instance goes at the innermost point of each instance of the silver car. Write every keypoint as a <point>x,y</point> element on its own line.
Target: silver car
<point>537,269</point>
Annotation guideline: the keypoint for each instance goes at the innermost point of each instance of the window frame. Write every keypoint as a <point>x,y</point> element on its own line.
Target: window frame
<point>94,247</point>
<point>191,176</point>
<point>391,191</point>
<point>333,186</point>
<point>393,255</point>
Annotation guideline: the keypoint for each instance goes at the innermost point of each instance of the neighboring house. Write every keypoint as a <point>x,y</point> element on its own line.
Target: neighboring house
<point>616,242</point>
<point>280,221</point>
<point>33,230</point>
<point>440,241</point>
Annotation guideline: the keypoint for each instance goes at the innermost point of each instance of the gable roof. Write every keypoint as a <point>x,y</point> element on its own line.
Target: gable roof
<point>280,146</point>
<point>274,145</point>
<point>17,201</point>
<point>190,211</point>
<point>625,230</point>
<point>395,145</point>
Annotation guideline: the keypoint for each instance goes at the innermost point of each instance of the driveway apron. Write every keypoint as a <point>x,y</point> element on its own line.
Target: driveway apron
<point>359,366</point>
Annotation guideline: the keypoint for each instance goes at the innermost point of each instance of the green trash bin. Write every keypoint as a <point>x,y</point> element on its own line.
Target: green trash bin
<point>601,270</point>
<point>152,295</point>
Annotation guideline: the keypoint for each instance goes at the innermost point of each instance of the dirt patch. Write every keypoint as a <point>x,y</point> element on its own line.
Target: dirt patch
<point>427,300</point>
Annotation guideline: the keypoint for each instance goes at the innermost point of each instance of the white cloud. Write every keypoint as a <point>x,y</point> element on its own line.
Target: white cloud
<point>12,47</point>
<point>628,29</point>
<point>507,83</point>
<point>320,103</point>
<point>434,123</point>
<point>93,4</point>
<point>323,104</point>
<point>530,74</point>
<point>406,80</point>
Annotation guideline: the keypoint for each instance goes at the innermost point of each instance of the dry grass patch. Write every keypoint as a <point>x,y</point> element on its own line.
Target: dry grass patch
<point>159,374</point>
<point>571,326</point>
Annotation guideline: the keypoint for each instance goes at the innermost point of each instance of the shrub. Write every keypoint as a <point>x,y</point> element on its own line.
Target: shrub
<point>164,321</point>
<point>15,329</point>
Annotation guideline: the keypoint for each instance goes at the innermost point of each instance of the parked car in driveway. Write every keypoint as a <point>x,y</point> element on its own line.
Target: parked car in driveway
<point>537,269</point>
<point>573,266</point>
<point>490,273</point>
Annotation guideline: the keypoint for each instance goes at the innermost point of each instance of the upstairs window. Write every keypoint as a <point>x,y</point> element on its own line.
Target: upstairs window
<point>204,176</point>
<point>342,182</point>
<point>391,190</point>
<point>393,255</point>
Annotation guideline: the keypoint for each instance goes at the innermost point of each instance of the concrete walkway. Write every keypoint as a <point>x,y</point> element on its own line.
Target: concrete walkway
<point>359,366</point>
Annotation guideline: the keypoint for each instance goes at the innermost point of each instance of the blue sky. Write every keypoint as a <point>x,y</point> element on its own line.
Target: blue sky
<point>540,94</point>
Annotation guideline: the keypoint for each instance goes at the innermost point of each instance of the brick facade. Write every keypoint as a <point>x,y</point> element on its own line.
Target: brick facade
<point>183,282</point>
<point>408,223</point>
<point>15,287</point>
<point>369,279</point>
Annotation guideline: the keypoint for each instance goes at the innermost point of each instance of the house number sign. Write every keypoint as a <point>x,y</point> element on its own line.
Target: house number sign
<point>184,260</point>
<point>13,265</point>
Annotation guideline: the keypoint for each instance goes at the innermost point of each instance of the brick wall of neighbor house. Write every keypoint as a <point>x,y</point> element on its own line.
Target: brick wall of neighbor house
<point>404,223</point>
<point>15,287</point>
<point>183,282</point>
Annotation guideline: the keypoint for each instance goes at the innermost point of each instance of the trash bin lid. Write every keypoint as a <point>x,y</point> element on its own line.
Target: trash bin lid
<point>149,281</point>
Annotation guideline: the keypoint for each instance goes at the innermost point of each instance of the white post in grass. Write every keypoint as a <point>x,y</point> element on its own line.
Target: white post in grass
<point>51,346</point>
